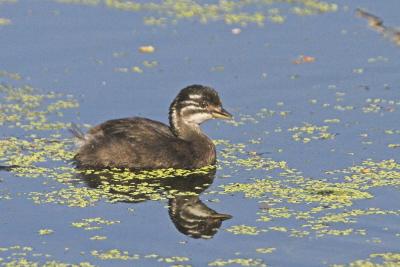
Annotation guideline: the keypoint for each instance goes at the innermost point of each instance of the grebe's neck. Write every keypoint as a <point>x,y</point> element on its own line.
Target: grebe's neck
<point>182,128</point>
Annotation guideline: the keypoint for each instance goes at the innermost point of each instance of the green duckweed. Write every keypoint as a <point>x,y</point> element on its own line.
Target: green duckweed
<point>375,260</point>
<point>25,256</point>
<point>243,230</point>
<point>229,12</point>
<point>46,231</point>
<point>93,223</point>
<point>238,262</point>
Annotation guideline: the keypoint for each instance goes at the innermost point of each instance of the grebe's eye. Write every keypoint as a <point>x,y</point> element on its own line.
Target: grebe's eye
<point>203,104</point>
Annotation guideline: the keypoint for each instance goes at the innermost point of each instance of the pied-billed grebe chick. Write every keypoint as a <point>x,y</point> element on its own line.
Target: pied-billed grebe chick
<point>140,143</point>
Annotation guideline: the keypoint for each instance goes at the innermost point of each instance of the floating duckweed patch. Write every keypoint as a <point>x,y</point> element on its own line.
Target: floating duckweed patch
<point>22,262</point>
<point>230,12</point>
<point>121,174</point>
<point>148,64</point>
<point>16,248</point>
<point>370,174</point>
<point>5,195</point>
<point>173,259</point>
<point>238,262</point>
<point>393,145</point>
<point>343,107</point>
<point>278,229</point>
<point>26,153</point>
<point>24,256</point>
<point>71,196</point>
<point>45,231</point>
<point>351,215</point>
<point>377,105</point>
<point>243,230</point>
<point>113,186</point>
<point>5,21</point>
<point>93,223</point>
<point>375,260</point>
<point>305,191</point>
<point>264,113</point>
<point>321,207</point>
<point>315,219</point>
<point>392,131</point>
<point>265,250</point>
<point>26,108</point>
<point>332,120</point>
<point>310,132</point>
<point>11,75</point>
<point>43,152</point>
<point>98,237</point>
<point>115,254</point>
<point>234,155</point>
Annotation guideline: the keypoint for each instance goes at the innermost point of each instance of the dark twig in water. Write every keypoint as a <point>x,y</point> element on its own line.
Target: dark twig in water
<point>376,24</point>
<point>8,168</point>
<point>263,153</point>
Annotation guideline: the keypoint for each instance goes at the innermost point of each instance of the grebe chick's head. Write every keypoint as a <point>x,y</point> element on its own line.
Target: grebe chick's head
<point>196,104</point>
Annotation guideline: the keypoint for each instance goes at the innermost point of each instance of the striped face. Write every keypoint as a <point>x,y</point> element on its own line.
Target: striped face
<point>196,104</point>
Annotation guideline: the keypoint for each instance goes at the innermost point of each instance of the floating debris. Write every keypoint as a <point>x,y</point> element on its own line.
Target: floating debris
<point>147,49</point>
<point>376,24</point>
<point>304,59</point>
<point>236,31</point>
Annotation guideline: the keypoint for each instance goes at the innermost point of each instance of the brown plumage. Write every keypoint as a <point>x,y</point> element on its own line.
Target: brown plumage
<point>140,143</point>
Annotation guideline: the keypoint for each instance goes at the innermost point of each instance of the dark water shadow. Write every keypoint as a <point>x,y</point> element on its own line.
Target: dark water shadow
<point>190,215</point>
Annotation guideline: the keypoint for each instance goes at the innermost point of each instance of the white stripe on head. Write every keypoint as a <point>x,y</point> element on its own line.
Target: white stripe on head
<point>189,102</point>
<point>195,96</point>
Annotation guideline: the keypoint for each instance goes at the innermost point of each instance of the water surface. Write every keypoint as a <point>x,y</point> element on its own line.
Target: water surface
<point>309,170</point>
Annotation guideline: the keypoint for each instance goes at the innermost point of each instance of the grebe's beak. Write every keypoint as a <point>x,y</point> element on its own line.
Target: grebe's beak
<point>221,113</point>
<point>221,216</point>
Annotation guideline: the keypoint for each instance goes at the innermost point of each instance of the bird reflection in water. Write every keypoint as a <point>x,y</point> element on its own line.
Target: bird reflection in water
<point>186,210</point>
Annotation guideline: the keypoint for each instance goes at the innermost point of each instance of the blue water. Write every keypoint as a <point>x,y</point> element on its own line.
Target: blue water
<point>76,49</point>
